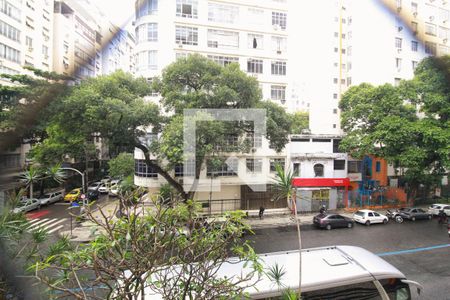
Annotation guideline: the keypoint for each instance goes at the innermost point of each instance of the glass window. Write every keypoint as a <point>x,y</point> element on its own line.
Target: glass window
<point>10,10</point>
<point>9,53</point>
<point>414,27</point>
<point>276,161</point>
<point>398,43</point>
<point>430,29</point>
<point>223,60</point>
<point>278,68</point>
<point>256,16</point>
<point>430,48</point>
<point>339,164</point>
<point>443,32</point>
<point>147,32</point>
<point>414,64</point>
<point>255,66</point>
<point>444,50</point>
<point>318,170</point>
<point>414,7</point>
<point>278,93</point>
<point>223,13</point>
<point>414,46</point>
<point>187,9</point>
<point>254,165</point>
<point>354,166</point>
<point>444,15</point>
<point>255,41</point>
<point>141,169</point>
<point>147,60</point>
<point>398,63</point>
<point>9,31</point>
<point>279,43</point>
<point>279,19</point>
<point>146,7</point>
<point>378,166</point>
<point>186,35</point>
<point>223,39</point>
<point>228,168</point>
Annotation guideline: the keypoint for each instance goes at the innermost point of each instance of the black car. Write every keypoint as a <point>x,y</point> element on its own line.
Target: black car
<point>93,195</point>
<point>414,213</point>
<point>332,221</point>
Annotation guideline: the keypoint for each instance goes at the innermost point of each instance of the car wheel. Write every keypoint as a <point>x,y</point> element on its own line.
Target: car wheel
<point>367,223</point>
<point>328,227</point>
<point>385,221</point>
<point>413,219</point>
<point>398,219</point>
<point>349,225</point>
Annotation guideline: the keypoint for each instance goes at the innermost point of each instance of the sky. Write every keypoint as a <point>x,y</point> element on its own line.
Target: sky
<point>120,12</point>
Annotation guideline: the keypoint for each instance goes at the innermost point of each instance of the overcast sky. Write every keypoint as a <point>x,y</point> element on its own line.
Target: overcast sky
<point>120,12</point>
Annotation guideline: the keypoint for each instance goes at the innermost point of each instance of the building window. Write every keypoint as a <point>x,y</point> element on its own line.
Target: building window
<point>414,46</point>
<point>430,48</point>
<point>186,169</point>
<point>336,34</point>
<point>335,111</point>
<point>278,93</point>
<point>398,3</point>
<point>321,140</point>
<point>430,29</point>
<point>147,32</point>
<point>9,53</point>
<point>255,41</point>
<point>339,164</point>
<point>296,170</point>
<point>279,43</point>
<point>335,80</point>
<point>336,144</point>
<point>349,81</point>
<point>343,51</point>
<point>354,166</point>
<point>279,19</point>
<point>414,64</point>
<point>147,60</point>
<point>343,36</point>
<point>10,161</point>
<point>398,63</point>
<point>9,31</point>
<point>443,33</point>
<point>142,170</point>
<point>318,170</point>
<point>255,66</point>
<point>186,35</point>
<point>278,68</point>
<point>256,16</point>
<point>342,81</point>
<point>227,168</point>
<point>414,7</point>
<point>349,50</point>
<point>336,49</point>
<point>444,15</point>
<point>254,165</point>
<point>276,161</point>
<point>444,50</point>
<point>223,60</point>
<point>334,126</point>
<point>414,27</point>
<point>223,13</point>
<point>187,9</point>
<point>335,96</point>
<point>378,167</point>
<point>45,51</point>
<point>146,7</point>
<point>10,10</point>
<point>397,81</point>
<point>29,42</point>
<point>223,39</point>
<point>398,43</point>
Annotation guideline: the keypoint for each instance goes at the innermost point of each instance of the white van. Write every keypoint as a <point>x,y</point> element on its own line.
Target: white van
<point>51,197</point>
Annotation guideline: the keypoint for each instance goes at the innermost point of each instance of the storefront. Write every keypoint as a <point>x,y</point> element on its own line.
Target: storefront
<point>312,193</point>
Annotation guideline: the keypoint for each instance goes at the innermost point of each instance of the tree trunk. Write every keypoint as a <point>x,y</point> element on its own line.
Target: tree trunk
<point>31,190</point>
<point>299,250</point>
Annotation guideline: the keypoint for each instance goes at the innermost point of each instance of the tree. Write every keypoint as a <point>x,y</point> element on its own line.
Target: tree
<point>121,166</point>
<point>113,108</point>
<point>167,251</point>
<point>27,104</point>
<point>285,190</point>
<point>37,174</point>
<point>300,121</point>
<point>406,125</point>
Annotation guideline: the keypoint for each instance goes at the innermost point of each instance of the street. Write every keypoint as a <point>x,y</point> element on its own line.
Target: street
<point>55,217</point>
<point>421,249</point>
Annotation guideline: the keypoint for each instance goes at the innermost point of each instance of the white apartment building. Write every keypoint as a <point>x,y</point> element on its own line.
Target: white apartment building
<point>352,46</point>
<point>118,53</point>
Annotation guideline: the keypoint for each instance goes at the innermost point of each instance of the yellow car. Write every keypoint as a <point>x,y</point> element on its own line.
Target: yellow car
<point>73,195</point>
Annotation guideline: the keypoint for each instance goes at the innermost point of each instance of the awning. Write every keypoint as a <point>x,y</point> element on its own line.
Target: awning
<point>319,182</point>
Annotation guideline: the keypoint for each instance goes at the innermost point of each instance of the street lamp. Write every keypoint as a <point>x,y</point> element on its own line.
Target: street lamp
<point>82,177</point>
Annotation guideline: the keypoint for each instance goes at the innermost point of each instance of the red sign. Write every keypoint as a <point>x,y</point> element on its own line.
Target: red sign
<point>318,182</point>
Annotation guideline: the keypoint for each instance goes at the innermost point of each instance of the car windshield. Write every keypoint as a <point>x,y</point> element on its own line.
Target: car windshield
<point>73,192</point>
<point>45,196</point>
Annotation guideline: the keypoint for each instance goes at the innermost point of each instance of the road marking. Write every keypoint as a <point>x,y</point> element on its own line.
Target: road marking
<point>40,221</point>
<point>47,224</point>
<point>62,203</point>
<point>38,214</point>
<point>56,229</point>
<point>414,250</point>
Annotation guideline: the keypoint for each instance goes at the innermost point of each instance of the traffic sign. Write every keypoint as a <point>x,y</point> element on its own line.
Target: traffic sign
<point>75,204</point>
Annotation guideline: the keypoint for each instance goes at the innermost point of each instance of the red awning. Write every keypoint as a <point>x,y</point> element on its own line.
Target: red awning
<point>315,182</point>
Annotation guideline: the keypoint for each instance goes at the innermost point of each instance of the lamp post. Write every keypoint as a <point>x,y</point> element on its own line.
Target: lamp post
<point>83,186</point>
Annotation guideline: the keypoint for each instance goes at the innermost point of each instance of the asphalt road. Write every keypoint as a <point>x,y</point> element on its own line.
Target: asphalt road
<point>421,249</point>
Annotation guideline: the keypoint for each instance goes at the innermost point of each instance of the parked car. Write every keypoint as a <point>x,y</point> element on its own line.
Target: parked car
<point>93,195</point>
<point>27,205</point>
<point>367,217</point>
<point>73,195</point>
<point>414,213</point>
<point>114,189</point>
<point>103,188</point>
<point>94,186</point>
<point>332,221</point>
<point>434,209</point>
<point>51,197</point>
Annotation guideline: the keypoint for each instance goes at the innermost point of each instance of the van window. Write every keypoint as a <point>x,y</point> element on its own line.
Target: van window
<point>363,290</point>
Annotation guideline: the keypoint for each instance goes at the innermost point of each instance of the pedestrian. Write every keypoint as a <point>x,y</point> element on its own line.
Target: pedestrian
<point>322,210</point>
<point>442,216</point>
<point>261,212</point>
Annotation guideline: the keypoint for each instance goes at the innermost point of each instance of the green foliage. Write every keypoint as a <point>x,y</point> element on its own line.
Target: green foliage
<point>283,183</point>
<point>121,166</point>
<point>300,121</point>
<point>407,125</point>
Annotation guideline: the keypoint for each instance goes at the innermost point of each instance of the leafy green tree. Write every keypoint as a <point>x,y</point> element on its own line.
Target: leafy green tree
<point>167,251</point>
<point>38,174</point>
<point>406,125</point>
<point>121,166</point>
<point>300,121</point>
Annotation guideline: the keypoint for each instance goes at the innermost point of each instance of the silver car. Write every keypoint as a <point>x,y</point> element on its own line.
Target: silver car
<point>51,197</point>
<point>27,205</point>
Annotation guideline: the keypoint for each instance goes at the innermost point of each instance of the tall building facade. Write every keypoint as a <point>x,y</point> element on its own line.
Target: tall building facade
<point>253,33</point>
